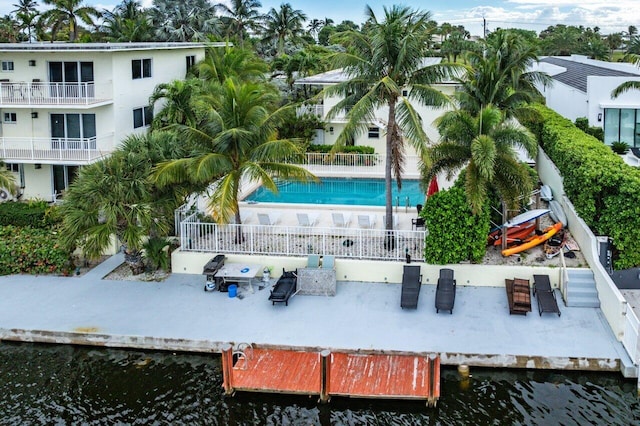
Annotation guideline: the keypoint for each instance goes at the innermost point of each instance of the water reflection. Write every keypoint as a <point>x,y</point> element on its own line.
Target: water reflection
<point>65,384</point>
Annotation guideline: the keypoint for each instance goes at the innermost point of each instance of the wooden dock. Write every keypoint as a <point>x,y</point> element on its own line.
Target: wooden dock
<point>329,374</point>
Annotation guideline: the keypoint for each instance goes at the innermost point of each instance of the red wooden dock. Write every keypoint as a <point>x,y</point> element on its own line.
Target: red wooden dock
<point>332,374</point>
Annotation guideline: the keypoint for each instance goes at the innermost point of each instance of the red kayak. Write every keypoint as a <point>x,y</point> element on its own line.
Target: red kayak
<point>514,233</point>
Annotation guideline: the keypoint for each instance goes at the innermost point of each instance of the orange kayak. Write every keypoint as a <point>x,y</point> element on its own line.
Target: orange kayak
<point>534,241</point>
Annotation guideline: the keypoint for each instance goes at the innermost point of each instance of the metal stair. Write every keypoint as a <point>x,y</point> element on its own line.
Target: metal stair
<point>581,289</point>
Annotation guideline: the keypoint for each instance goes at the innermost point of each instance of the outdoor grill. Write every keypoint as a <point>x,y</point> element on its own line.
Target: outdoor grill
<point>210,270</point>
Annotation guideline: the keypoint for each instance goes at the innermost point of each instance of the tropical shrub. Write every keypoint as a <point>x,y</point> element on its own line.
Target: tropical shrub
<point>155,254</point>
<point>37,214</point>
<point>455,233</point>
<point>32,251</point>
<point>620,147</point>
<point>357,149</point>
<point>582,123</point>
<point>603,189</point>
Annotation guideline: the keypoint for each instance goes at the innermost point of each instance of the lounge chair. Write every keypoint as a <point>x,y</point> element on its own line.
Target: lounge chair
<point>328,262</point>
<point>544,293</point>
<point>394,219</point>
<point>341,220</point>
<point>446,291</point>
<point>313,261</point>
<point>268,219</point>
<point>518,296</point>
<point>411,283</point>
<point>284,288</point>
<point>418,222</point>
<point>366,221</point>
<point>307,219</point>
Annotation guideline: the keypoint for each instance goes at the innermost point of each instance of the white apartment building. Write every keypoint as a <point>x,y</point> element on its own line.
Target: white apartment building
<point>582,88</point>
<point>63,105</point>
<point>375,136</point>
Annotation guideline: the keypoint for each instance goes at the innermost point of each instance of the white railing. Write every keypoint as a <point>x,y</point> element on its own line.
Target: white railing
<point>356,243</point>
<point>56,149</point>
<point>316,110</point>
<point>630,339</point>
<point>36,93</point>
<point>355,164</point>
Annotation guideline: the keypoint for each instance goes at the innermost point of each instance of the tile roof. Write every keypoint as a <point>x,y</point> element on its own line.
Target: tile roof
<point>576,73</point>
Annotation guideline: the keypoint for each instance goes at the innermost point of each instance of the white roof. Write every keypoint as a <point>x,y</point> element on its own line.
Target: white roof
<point>89,47</point>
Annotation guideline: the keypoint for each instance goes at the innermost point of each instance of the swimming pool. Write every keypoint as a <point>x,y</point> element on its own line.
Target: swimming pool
<point>353,192</point>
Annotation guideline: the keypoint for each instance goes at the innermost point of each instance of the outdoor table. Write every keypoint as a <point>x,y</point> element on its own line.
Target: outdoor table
<point>238,273</point>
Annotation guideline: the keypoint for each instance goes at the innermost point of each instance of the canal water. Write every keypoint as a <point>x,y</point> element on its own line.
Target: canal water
<point>42,384</point>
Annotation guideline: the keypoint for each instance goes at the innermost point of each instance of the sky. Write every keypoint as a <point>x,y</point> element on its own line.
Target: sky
<point>611,16</point>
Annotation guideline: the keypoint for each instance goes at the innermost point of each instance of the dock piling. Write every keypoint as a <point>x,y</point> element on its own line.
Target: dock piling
<point>227,368</point>
<point>325,374</point>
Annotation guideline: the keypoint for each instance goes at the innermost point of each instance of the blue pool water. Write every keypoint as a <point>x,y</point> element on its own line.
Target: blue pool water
<point>353,192</point>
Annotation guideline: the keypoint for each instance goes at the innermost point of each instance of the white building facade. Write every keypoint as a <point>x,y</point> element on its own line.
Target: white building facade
<point>63,106</point>
<point>375,136</point>
<point>582,88</point>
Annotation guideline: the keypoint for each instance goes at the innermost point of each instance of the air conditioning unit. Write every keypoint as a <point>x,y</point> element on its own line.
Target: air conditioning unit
<point>5,195</point>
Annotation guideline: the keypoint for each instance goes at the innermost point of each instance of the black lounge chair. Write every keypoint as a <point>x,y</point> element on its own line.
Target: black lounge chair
<point>544,293</point>
<point>284,288</point>
<point>411,283</point>
<point>446,291</point>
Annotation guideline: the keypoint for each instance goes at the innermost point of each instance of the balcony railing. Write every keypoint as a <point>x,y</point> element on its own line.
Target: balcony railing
<point>36,93</point>
<point>56,149</point>
<point>354,164</point>
<point>319,111</point>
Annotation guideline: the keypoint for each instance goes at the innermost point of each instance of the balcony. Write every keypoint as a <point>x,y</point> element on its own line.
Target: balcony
<point>319,111</point>
<point>51,94</point>
<point>56,150</point>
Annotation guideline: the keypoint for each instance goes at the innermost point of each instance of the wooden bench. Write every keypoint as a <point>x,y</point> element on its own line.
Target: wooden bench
<point>519,296</point>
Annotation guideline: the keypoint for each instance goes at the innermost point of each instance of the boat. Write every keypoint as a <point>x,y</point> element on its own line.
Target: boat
<point>553,246</point>
<point>545,193</point>
<point>534,240</point>
<point>514,233</point>
<point>557,213</point>
<point>527,216</point>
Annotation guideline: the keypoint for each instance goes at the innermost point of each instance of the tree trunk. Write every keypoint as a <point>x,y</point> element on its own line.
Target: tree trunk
<point>133,258</point>
<point>391,123</point>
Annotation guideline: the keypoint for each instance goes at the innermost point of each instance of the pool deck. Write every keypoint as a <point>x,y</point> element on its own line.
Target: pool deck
<point>177,315</point>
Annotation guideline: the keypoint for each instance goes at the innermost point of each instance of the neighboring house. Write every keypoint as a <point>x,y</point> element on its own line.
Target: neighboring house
<point>582,88</point>
<point>375,135</point>
<point>63,105</point>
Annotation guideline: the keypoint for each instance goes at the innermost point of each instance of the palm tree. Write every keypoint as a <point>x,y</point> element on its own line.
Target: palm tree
<point>241,16</point>
<point>628,85</point>
<point>127,22</point>
<point>26,11</point>
<point>220,63</point>
<point>67,12</point>
<point>179,103</point>
<point>283,24</point>
<point>315,25</point>
<point>185,20</point>
<point>9,29</point>
<point>500,76</point>
<point>132,209</point>
<point>486,144</point>
<point>236,141</point>
<point>7,179</point>
<point>380,64</point>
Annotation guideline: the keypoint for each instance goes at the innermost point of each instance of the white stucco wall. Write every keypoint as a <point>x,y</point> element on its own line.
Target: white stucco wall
<point>38,182</point>
<point>567,101</point>
<point>599,90</point>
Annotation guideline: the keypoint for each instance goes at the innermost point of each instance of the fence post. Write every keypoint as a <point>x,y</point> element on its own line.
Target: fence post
<point>325,375</point>
<point>227,368</point>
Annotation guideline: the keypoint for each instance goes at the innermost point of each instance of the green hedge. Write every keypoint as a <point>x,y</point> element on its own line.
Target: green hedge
<point>604,190</point>
<point>37,214</point>
<point>32,251</point>
<point>455,234</point>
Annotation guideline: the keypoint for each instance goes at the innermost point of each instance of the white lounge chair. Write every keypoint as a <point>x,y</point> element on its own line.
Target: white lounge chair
<point>307,219</point>
<point>366,221</point>
<point>341,220</point>
<point>268,219</point>
<point>394,218</point>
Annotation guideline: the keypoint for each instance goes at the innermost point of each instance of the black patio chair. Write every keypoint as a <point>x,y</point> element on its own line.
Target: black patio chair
<point>446,291</point>
<point>411,283</point>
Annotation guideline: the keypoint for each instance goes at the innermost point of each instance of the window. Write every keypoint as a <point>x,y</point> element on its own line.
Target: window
<point>191,61</point>
<point>10,117</point>
<point>622,125</point>
<point>405,92</point>
<point>374,133</point>
<point>13,167</point>
<point>73,131</point>
<point>142,117</point>
<point>140,68</point>
<point>7,66</point>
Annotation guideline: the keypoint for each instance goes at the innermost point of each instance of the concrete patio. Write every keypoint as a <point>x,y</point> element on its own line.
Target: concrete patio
<point>178,315</point>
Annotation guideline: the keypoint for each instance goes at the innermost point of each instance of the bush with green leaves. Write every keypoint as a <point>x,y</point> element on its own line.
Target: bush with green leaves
<point>26,250</point>
<point>347,149</point>
<point>582,123</point>
<point>620,147</point>
<point>37,214</point>
<point>455,233</point>
<point>604,190</point>
<point>155,254</point>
